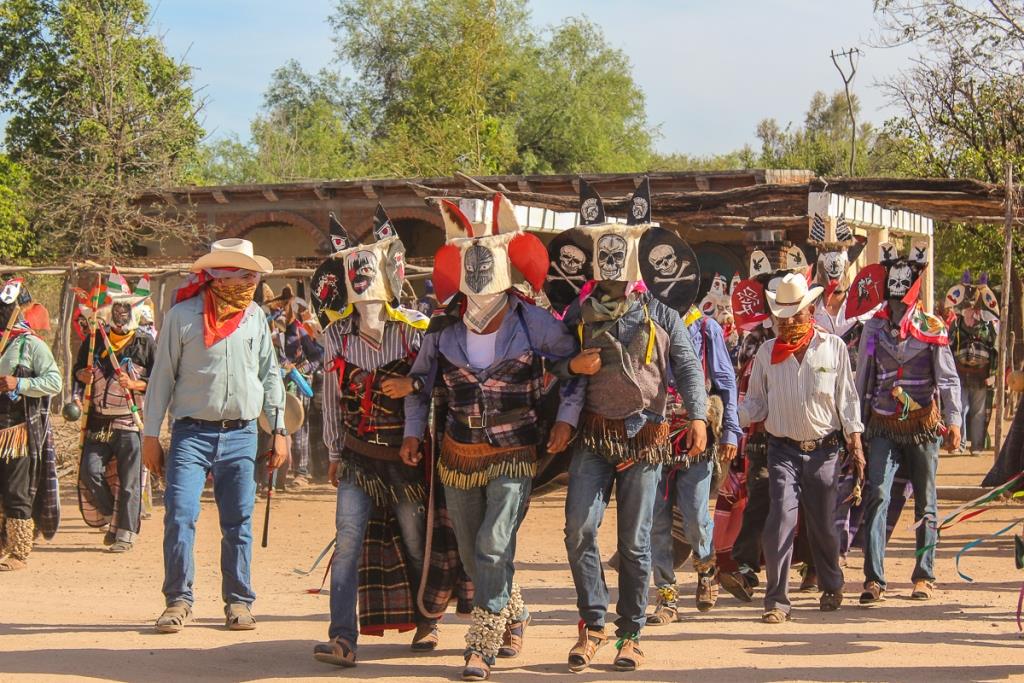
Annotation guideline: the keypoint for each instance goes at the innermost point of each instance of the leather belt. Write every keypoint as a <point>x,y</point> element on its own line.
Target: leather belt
<point>492,419</point>
<point>811,445</point>
<point>223,425</point>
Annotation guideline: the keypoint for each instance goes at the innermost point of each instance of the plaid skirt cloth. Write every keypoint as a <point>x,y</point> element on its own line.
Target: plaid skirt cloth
<point>87,506</point>
<point>390,597</point>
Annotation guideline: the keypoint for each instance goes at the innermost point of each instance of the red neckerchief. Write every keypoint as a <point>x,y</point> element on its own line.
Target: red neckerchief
<point>783,350</point>
<point>214,330</point>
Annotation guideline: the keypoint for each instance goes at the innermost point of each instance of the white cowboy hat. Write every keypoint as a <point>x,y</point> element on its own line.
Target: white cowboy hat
<point>792,296</point>
<point>233,253</point>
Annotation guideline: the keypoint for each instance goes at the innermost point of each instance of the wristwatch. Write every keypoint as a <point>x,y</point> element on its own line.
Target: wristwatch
<point>280,432</point>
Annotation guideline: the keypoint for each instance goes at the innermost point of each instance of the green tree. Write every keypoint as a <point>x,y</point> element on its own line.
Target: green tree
<point>14,227</point>
<point>99,112</point>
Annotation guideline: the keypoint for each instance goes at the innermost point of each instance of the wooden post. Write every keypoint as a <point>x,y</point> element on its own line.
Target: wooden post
<point>62,338</point>
<point>1004,307</point>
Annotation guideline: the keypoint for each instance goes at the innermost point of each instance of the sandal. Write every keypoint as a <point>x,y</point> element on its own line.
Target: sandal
<point>12,564</point>
<point>630,655</point>
<point>775,616</point>
<point>665,612</point>
<point>738,584</point>
<point>426,637</point>
<point>174,618</point>
<point>477,668</point>
<point>238,617</point>
<point>873,592</point>
<point>337,652</point>
<point>515,633</point>
<point>922,590</point>
<point>120,547</point>
<point>586,647</point>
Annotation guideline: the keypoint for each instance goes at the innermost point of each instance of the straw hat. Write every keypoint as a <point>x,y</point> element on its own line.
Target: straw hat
<point>233,252</point>
<point>792,296</point>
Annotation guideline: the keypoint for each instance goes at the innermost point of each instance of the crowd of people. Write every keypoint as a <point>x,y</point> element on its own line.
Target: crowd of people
<point>804,402</point>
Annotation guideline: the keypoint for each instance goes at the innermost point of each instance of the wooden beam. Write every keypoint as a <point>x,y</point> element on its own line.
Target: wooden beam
<point>219,197</point>
<point>321,193</point>
<point>703,184</point>
<point>269,195</point>
<point>369,191</point>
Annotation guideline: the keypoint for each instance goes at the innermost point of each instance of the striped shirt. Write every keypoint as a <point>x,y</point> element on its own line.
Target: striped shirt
<point>803,400</point>
<point>342,340</point>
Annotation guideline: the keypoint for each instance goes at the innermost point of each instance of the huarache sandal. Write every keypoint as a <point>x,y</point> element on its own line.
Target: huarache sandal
<point>120,547</point>
<point>515,634</point>
<point>630,655</point>
<point>872,594</point>
<point>238,617</point>
<point>775,616</point>
<point>426,637</point>
<point>12,564</point>
<point>337,652</point>
<point>707,589</point>
<point>666,611</point>
<point>174,618</point>
<point>922,590</point>
<point>477,668</point>
<point>586,647</point>
<point>738,584</point>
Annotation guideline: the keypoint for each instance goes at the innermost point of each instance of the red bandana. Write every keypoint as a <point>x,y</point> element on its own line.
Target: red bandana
<point>796,339</point>
<point>213,329</point>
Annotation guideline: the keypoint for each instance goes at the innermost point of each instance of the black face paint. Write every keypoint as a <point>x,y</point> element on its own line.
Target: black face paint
<point>361,271</point>
<point>479,266</point>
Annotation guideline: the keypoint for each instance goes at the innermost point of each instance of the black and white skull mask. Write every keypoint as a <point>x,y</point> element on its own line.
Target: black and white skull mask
<point>611,256</point>
<point>362,270</point>
<point>833,264</point>
<point>901,276</point>
<point>571,259</point>
<point>478,267</point>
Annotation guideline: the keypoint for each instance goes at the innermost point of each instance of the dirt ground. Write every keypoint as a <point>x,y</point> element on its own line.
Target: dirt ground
<point>79,613</point>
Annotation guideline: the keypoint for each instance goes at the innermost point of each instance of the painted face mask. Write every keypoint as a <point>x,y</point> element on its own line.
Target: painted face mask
<point>359,273</point>
<point>478,267</point>
<point>362,271</point>
<point>121,316</point>
<point>900,277</point>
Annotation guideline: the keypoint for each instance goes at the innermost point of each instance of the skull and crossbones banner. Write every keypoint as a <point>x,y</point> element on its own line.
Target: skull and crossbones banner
<point>614,252</point>
<point>359,272</point>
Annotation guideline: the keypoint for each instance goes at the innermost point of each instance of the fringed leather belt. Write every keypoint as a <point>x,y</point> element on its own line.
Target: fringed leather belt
<point>920,426</point>
<point>14,442</point>
<point>607,438</point>
<point>469,465</point>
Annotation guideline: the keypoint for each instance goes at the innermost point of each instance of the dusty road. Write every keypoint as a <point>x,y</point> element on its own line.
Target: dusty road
<point>82,614</point>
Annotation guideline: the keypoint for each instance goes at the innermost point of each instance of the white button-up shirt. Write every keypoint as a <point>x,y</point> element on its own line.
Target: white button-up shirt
<point>803,400</point>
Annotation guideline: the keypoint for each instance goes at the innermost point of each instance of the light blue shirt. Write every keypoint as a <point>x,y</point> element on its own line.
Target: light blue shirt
<point>234,379</point>
<point>719,370</point>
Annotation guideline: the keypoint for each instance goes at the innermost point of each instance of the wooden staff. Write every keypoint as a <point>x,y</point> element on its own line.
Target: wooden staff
<point>10,327</point>
<point>271,480</point>
<point>119,372</point>
<point>87,396</point>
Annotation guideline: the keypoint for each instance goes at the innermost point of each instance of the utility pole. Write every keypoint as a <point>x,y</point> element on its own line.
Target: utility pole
<point>852,55</point>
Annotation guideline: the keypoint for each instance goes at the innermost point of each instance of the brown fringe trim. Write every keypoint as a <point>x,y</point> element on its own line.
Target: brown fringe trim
<point>921,426</point>
<point>14,442</point>
<point>380,491</point>
<point>608,439</point>
<point>469,465</point>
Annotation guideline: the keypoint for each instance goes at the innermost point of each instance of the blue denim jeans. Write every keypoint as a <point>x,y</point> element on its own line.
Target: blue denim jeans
<point>590,487</point>
<point>486,520</point>
<point>351,516</point>
<point>196,451</point>
<point>974,422</point>
<point>690,489</point>
<point>884,458</point>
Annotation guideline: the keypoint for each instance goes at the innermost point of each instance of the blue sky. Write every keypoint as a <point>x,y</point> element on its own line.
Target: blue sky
<point>711,69</point>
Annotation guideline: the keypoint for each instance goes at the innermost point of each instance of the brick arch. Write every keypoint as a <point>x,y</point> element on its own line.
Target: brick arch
<point>425,214</point>
<point>254,220</point>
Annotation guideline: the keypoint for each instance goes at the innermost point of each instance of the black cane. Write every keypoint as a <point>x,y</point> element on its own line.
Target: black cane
<point>271,479</point>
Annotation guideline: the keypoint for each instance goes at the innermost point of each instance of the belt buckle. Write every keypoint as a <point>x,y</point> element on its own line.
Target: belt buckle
<point>808,446</point>
<point>476,421</point>
<point>227,424</point>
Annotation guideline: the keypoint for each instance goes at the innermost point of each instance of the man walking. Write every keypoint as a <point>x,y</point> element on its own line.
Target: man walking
<point>801,386</point>
<point>215,371</point>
